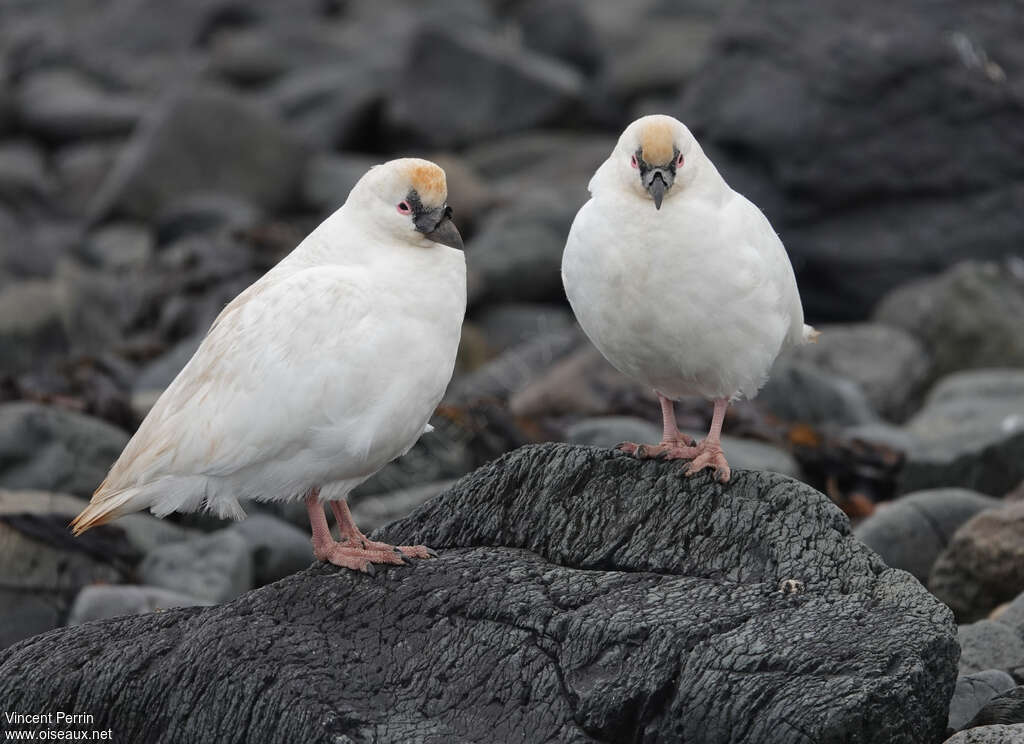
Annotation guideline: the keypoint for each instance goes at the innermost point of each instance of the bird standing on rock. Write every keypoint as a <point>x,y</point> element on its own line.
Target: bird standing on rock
<point>680,282</point>
<point>316,376</point>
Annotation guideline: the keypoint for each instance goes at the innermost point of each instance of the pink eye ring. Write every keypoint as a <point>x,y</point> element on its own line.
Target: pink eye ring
<point>679,161</point>
<point>404,208</point>
<point>633,162</point>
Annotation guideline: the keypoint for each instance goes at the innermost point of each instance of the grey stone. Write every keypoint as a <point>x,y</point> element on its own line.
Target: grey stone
<point>278,548</point>
<point>81,168</point>
<point>608,431</point>
<point>204,212</point>
<point>466,70</point>
<point>216,567</point>
<point>23,174</point>
<point>248,56</point>
<point>797,391</point>
<point>55,449</point>
<point>970,433</point>
<point>506,325</point>
<point>202,140</point>
<point>986,644</point>
<point>981,567</point>
<point>103,602</point>
<point>1013,614</point>
<point>327,106</point>
<point>973,691</point>
<point>517,369</point>
<point>32,329</point>
<point>579,595</point>
<point>517,252</point>
<point>912,531</point>
<point>560,29</point>
<point>372,512</point>
<point>63,104</point>
<point>1006,708</point>
<point>887,363</point>
<point>1012,734</point>
<point>158,374</point>
<point>967,317</point>
<point>328,177</point>
<point>120,246</point>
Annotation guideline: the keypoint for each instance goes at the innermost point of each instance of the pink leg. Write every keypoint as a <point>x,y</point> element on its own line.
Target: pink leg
<point>351,535</point>
<point>674,444</point>
<point>710,453</point>
<point>346,556</point>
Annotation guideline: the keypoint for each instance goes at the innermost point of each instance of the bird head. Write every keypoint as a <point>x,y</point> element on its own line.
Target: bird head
<point>409,199</point>
<point>656,156</point>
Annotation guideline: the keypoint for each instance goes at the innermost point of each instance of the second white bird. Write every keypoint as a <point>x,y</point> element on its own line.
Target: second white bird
<point>680,281</point>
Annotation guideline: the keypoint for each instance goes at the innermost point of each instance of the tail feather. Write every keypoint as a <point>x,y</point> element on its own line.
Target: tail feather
<point>810,335</point>
<point>107,506</point>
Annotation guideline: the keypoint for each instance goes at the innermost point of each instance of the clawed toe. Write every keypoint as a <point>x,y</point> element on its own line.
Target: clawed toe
<point>710,458</point>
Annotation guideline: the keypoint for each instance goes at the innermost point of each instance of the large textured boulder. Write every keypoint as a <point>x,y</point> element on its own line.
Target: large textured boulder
<point>866,195</point>
<point>580,596</point>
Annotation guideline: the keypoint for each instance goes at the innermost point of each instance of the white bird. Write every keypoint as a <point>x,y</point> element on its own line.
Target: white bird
<point>316,376</point>
<point>680,282</point>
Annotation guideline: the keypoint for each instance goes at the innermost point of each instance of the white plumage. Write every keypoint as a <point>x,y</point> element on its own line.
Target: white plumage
<point>318,374</point>
<point>691,295</point>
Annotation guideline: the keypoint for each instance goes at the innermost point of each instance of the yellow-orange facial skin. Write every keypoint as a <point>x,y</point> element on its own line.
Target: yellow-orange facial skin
<point>657,143</point>
<point>429,181</point>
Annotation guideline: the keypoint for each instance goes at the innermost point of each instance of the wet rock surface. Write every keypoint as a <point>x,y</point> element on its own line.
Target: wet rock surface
<point>558,619</point>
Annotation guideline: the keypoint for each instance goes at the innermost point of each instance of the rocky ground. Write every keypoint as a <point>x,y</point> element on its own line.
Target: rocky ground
<point>155,158</point>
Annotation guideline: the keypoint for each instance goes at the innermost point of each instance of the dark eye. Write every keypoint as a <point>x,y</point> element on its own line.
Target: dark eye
<point>679,161</point>
<point>633,162</point>
<point>404,208</point>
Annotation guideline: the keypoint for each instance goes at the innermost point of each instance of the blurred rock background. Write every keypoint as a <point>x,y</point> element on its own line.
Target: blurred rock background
<point>155,158</point>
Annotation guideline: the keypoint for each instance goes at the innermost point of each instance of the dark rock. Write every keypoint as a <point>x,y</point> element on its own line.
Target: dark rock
<point>470,196</point>
<point>987,644</point>
<point>973,691</point>
<point>608,431</point>
<point>327,107</point>
<point>202,140</point>
<point>889,365</point>
<point>42,568</point>
<point>216,567</point>
<point>967,317</point>
<point>32,329</point>
<point>1012,614</point>
<point>981,567</point>
<point>55,449</point>
<point>801,392</point>
<point>517,252</point>
<point>939,80</point>
<point>158,374</point>
<point>62,104</point>
<point>247,56</point>
<point>516,369</point>
<point>278,548</point>
<point>466,71</point>
<point>970,433</point>
<point>533,159</point>
<point>23,176</point>
<point>380,509</point>
<point>99,602</point>
<point>579,595</point>
<point>989,735</point>
<point>81,169</point>
<point>912,531</point>
<point>328,178</point>
<point>506,325</point>
<point>560,29</point>
<point>205,212</point>
<point>119,247</point>
<point>1004,709</point>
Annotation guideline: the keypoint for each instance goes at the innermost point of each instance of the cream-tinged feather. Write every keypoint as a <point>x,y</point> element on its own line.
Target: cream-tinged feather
<point>318,374</point>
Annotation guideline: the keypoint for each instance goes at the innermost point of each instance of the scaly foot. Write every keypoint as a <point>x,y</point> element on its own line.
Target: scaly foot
<point>360,540</point>
<point>681,448</point>
<point>357,559</point>
<point>710,456</point>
